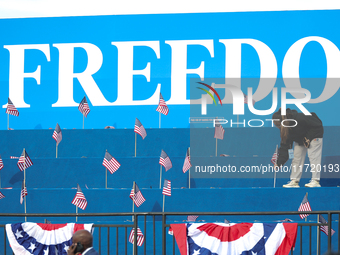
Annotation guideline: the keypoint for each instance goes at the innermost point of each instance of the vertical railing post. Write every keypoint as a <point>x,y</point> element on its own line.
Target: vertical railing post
<point>100,240</point>
<point>163,234</point>
<point>154,234</point>
<point>135,236</point>
<point>329,231</point>
<point>5,239</point>
<point>145,238</point>
<point>338,233</point>
<point>108,240</point>
<point>301,240</point>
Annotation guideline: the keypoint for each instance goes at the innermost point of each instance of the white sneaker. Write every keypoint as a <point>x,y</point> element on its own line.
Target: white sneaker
<point>292,184</point>
<point>313,184</point>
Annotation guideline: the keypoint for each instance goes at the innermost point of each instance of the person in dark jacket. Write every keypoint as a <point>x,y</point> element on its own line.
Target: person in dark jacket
<point>306,132</point>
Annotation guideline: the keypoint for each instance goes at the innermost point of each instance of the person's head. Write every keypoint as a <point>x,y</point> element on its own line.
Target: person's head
<point>84,237</point>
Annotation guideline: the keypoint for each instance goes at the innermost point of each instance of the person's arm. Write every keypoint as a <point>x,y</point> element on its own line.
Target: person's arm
<point>283,153</point>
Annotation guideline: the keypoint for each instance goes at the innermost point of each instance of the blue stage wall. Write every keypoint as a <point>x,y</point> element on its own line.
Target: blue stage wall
<point>51,182</point>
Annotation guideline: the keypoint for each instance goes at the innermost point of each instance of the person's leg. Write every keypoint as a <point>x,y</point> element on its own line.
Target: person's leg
<point>298,162</point>
<point>297,166</point>
<point>314,155</point>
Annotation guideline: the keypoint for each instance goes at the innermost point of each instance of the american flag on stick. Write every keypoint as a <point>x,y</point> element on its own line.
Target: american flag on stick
<point>304,207</point>
<point>79,199</point>
<point>246,99</point>
<point>139,129</point>
<point>84,107</point>
<point>24,161</point>
<point>136,195</point>
<point>57,135</point>
<point>23,192</point>
<point>167,188</point>
<point>2,196</point>
<point>110,163</point>
<point>219,130</point>
<point>165,161</point>
<point>1,163</point>
<point>187,163</point>
<point>162,107</point>
<point>275,156</point>
<point>324,228</point>
<point>192,217</point>
<point>140,237</point>
<point>11,109</point>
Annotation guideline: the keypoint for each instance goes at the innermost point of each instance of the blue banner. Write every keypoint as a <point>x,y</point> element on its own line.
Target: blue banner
<point>122,63</point>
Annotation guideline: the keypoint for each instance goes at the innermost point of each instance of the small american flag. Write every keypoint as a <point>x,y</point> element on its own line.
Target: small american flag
<point>187,163</point>
<point>324,228</point>
<point>79,199</point>
<point>136,196</point>
<point>57,135</point>
<point>246,99</point>
<point>219,130</point>
<point>84,107</point>
<point>139,129</point>
<point>110,163</point>
<point>275,156</point>
<point>2,196</point>
<point>24,161</point>
<point>23,192</point>
<point>192,217</point>
<point>11,108</point>
<point>1,163</point>
<point>140,237</point>
<point>305,206</point>
<point>165,161</point>
<point>167,188</point>
<point>162,107</point>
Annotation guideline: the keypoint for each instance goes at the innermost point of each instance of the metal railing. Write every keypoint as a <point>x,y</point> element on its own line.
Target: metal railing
<point>112,238</point>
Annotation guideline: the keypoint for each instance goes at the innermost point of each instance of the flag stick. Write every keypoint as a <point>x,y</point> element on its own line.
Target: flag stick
<point>7,121</point>
<point>190,167</point>
<point>25,182</point>
<point>135,144</point>
<point>318,237</point>
<point>0,181</point>
<point>25,207</point>
<point>160,177</point>
<point>77,213</point>
<point>105,178</point>
<point>163,201</point>
<point>159,119</point>
<point>56,151</point>
<point>216,148</point>
<point>133,198</point>
<point>83,120</point>
<point>275,171</point>
<point>307,198</point>
<point>24,165</point>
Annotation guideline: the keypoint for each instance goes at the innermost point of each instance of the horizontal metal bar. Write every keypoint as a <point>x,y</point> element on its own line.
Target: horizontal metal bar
<point>160,213</point>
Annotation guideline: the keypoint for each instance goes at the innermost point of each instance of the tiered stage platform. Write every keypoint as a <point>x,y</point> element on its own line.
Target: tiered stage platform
<point>51,181</point>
